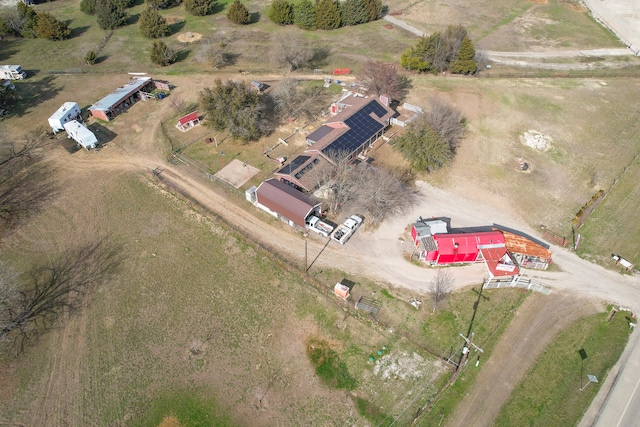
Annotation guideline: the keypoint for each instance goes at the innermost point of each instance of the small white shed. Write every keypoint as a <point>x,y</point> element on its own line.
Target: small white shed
<point>69,111</point>
<point>81,134</point>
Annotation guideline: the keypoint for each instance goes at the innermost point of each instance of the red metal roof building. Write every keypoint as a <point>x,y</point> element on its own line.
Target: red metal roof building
<point>187,122</point>
<point>285,202</point>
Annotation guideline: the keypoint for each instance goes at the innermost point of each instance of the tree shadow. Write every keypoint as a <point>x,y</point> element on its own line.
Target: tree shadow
<point>77,31</point>
<point>34,92</point>
<point>320,57</point>
<point>177,27</point>
<point>133,19</point>
<point>182,54</point>
<point>9,48</point>
<point>255,17</point>
<point>100,59</point>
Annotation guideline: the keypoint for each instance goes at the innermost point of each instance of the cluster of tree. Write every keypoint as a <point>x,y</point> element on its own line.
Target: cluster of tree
<point>451,51</point>
<point>238,13</point>
<point>382,78</point>
<point>430,142</point>
<point>235,108</point>
<point>24,21</point>
<point>324,14</point>
<point>8,98</point>
<point>110,14</point>
<point>374,191</point>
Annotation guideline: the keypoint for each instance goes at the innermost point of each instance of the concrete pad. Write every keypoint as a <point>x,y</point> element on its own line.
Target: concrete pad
<point>236,173</point>
<point>622,17</point>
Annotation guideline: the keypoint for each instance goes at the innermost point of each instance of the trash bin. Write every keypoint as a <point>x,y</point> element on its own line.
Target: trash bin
<point>160,95</point>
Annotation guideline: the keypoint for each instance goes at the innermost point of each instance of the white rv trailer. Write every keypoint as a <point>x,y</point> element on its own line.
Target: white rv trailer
<point>81,134</point>
<point>12,72</point>
<point>69,111</point>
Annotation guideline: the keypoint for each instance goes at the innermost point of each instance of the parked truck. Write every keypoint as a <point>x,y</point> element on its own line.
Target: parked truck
<point>346,230</point>
<point>317,225</point>
<point>12,72</point>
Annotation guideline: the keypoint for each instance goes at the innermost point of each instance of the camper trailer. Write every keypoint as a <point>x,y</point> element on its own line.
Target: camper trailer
<point>69,111</point>
<point>12,72</point>
<point>79,132</point>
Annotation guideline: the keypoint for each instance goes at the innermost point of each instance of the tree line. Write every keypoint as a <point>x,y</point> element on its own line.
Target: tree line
<point>324,14</point>
<point>24,21</point>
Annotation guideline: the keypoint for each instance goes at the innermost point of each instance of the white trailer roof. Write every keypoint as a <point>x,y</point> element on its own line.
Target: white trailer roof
<point>81,134</point>
<point>64,109</point>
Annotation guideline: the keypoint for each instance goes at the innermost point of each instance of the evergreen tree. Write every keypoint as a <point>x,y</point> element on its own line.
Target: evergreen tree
<point>48,27</point>
<point>29,17</point>
<point>88,7</point>
<point>419,57</point>
<point>374,9</point>
<point>152,25</point>
<point>281,12</point>
<point>354,12</point>
<point>328,15</point>
<point>162,54</point>
<point>423,147</point>
<point>110,14</point>
<point>200,7</point>
<point>304,15</point>
<point>465,63</point>
<point>238,13</point>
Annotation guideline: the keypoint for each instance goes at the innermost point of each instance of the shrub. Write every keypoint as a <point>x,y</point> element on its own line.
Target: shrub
<point>153,25</point>
<point>200,7</point>
<point>161,54</point>
<point>91,57</point>
<point>238,13</point>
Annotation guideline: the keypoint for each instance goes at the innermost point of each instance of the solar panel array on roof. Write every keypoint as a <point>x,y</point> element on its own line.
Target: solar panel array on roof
<point>295,164</point>
<point>361,128</point>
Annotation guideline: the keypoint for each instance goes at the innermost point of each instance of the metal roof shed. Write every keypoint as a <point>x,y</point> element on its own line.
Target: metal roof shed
<point>111,105</point>
<point>287,202</point>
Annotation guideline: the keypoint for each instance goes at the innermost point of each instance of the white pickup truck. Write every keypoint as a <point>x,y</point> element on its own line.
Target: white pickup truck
<point>344,232</point>
<point>316,224</point>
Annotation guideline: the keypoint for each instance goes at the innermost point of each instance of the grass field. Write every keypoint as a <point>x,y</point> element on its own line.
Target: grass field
<point>549,395</point>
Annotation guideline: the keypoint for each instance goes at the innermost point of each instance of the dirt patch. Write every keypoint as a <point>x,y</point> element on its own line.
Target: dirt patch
<point>535,325</point>
<point>189,37</point>
<point>237,173</point>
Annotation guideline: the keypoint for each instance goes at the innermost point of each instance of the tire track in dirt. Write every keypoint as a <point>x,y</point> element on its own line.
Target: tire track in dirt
<point>536,323</point>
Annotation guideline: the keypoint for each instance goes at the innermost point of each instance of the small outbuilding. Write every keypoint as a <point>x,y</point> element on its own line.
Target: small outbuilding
<point>285,202</point>
<point>67,112</point>
<point>81,134</point>
<point>189,121</point>
<point>122,98</point>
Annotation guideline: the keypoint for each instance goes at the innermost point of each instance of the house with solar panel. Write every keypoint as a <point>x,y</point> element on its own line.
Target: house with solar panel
<point>357,123</point>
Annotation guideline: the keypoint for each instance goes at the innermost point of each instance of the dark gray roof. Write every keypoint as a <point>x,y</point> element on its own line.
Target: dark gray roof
<point>319,133</point>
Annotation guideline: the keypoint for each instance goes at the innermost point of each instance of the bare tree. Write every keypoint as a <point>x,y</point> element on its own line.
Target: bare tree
<point>384,79</point>
<point>290,49</point>
<point>381,193</point>
<point>446,121</point>
<point>294,102</point>
<point>51,290</point>
<point>482,59</point>
<point>178,104</point>
<point>441,288</point>
<point>25,182</point>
